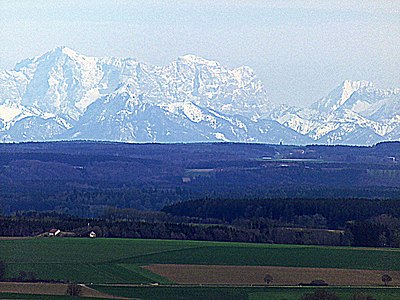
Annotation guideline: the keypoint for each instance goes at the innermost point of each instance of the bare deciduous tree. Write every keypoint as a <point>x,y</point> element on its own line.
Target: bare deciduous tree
<point>268,279</point>
<point>2,269</point>
<point>386,279</point>
<point>74,289</point>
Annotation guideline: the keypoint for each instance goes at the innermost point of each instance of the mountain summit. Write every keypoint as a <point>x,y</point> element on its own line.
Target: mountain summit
<point>65,95</point>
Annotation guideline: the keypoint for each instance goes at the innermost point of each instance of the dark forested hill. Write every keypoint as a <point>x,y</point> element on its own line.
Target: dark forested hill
<point>83,178</point>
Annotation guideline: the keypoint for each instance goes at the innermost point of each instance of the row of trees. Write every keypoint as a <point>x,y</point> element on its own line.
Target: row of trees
<point>379,231</point>
<point>268,279</point>
<point>357,222</point>
<point>303,212</point>
<point>258,231</point>
<point>329,295</point>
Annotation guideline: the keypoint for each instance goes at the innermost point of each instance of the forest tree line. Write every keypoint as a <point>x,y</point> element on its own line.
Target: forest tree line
<point>378,231</point>
<point>84,178</point>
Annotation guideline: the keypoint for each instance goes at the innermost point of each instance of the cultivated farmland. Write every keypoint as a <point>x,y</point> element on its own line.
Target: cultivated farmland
<point>47,289</point>
<point>249,275</point>
<point>239,293</point>
<point>131,262</point>
<point>118,260</point>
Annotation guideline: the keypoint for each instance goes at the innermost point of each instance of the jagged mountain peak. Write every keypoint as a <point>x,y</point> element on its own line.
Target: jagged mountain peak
<point>355,84</point>
<point>63,94</point>
<point>198,60</point>
<point>52,57</point>
<point>355,112</point>
<point>348,87</point>
<point>342,93</point>
<point>360,96</point>
<point>62,91</point>
<point>65,50</point>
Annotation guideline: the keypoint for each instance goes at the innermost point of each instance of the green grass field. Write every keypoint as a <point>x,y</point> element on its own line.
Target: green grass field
<point>239,293</point>
<point>117,260</point>
<point>107,261</point>
<point>218,293</point>
<point>24,296</point>
<point>42,297</point>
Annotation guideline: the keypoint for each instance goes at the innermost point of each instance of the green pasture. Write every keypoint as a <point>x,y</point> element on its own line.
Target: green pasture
<point>219,293</point>
<point>41,297</point>
<point>119,260</point>
<point>240,293</point>
<point>277,255</point>
<point>26,296</point>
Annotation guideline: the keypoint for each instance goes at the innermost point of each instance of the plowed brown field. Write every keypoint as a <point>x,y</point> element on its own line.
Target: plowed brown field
<point>48,289</point>
<point>212,274</point>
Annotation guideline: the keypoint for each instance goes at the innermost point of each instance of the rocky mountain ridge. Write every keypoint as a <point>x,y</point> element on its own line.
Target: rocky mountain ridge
<point>66,95</point>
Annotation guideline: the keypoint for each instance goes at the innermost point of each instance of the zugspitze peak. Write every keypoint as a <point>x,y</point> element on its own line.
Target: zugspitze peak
<point>63,95</point>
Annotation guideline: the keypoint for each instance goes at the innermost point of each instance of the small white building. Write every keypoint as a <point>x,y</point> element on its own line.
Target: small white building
<point>54,232</point>
<point>92,234</point>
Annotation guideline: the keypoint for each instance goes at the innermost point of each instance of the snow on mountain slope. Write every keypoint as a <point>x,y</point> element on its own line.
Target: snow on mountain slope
<point>355,112</point>
<point>62,94</point>
<point>66,95</point>
<point>121,116</point>
<point>339,96</point>
<point>9,111</point>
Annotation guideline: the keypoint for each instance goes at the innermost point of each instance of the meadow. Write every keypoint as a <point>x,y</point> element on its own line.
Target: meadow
<point>118,260</point>
<point>27,296</point>
<point>239,293</point>
<point>100,263</point>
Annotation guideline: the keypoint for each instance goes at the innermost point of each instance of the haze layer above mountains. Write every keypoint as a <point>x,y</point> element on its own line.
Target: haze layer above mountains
<point>63,95</point>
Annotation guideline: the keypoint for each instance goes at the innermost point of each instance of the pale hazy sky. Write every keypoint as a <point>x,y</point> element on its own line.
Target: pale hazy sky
<point>299,49</point>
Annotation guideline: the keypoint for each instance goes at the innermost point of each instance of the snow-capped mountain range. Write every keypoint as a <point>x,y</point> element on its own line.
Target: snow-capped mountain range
<point>63,95</point>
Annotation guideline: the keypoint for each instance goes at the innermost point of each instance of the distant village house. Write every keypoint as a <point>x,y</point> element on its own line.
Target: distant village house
<point>54,232</point>
<point>186,179</point>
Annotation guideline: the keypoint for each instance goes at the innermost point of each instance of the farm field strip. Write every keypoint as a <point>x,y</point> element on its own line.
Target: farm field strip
<point>48,289</point>
<point>317,257</point>
<point>137,257</point>
<point>13,238</point>
<point>153,277</point>
<point>36,296</point>
<point>239,293</point>
<point>80,272</point>
<point>248,275</point>
<point>118,260</point>
<point>82,250</point>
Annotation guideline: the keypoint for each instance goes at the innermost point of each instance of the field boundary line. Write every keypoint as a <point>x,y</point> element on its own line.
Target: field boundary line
<point>121,260</point>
